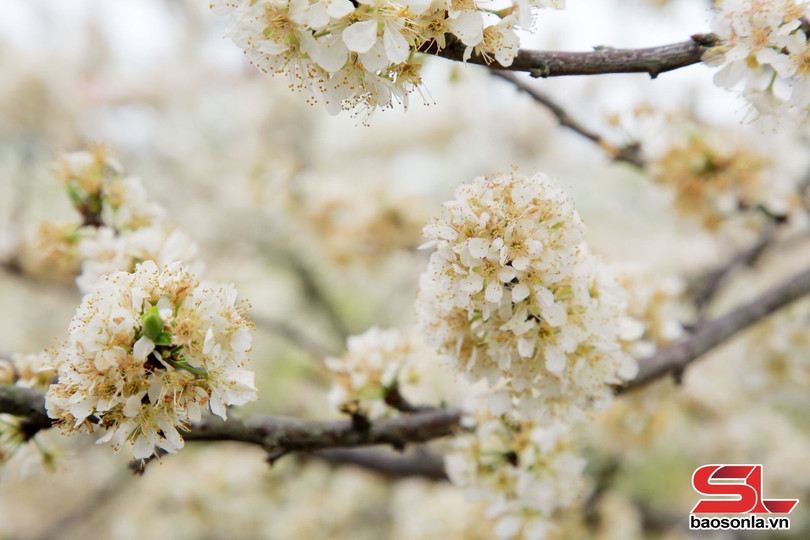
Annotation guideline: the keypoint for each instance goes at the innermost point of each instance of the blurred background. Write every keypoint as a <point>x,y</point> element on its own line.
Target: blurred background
<point>316,219</point>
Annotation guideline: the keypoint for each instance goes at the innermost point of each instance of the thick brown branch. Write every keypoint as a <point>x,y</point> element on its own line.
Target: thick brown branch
<point>278,435</point>
<point>652,60</point>
<point>418,463</point>
<point>25,403</point>
<point>676,357</point>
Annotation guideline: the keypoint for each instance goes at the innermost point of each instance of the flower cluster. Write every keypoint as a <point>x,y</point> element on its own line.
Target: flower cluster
<point>765,51</point>
<point>384,370</point>
<point>776,365</point>
<point>655,301</point>
<point>27,371</point>
<point>50,251</point>
<point>360,54</point>
<point>514,296</point>
<point>105,250</point>
<point>724,185</point>
<point>525,470</point>
<point>104,197</point>
<point>120,226</point>
<point>147,351</point>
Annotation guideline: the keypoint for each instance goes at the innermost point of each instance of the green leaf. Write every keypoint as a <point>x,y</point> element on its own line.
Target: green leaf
<point>75,197</point>
<point>164,338</point>
<point>152,325</point>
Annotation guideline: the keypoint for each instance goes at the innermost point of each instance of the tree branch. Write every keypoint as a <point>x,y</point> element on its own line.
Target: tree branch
<point>293,335</point>
<point>25,403</point>
<point>278,435</point>
<point>602,60</point>
<point>676,357</point>
<point>419,463</point>
<point>629,153</point>
<point>281,435</point>
<point>705,288</point>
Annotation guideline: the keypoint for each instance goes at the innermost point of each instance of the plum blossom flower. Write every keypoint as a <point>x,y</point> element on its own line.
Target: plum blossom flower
<point>525,471</point>
<point>382,366</point>
<point>764,52</point>
<point>359,56</point>
<point>147,352</point>
<point>515,297</point>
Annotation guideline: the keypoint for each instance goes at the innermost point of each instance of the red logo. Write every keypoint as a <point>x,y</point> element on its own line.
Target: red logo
<point>743,483</point>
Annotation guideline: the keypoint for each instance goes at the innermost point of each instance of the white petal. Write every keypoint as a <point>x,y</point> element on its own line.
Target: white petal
<point>555,360</point>
<point>339,8</point>
<point>499,403</point>
<point>361,36</point>
<point>494,292</point>
<point>396,46</point>
<point>525,347</point>
<point>209,342</point>
<point>507,274</point>
<point>333,54</point>
<point>165,308</point>
<point>521,263</point>
<point>309,46</point>
<point>469,27</point>
<point>133,406</point>
<point>218,405</point>
<point>375,59</point>
<point>555,315</point>
<point>472,283</point>
<point>143,448</point>
<point>143,347</point>
<point>478,247</point>
<point>520,292</point>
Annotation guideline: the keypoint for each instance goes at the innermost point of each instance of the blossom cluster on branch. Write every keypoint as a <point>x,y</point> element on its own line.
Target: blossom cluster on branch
<point>120,226</point>
<point>517,305</point>
<point>514,296</point>
<point>151,347</point>
<point>147,351</point>
<point>765,53</point>
<point>359,55</point>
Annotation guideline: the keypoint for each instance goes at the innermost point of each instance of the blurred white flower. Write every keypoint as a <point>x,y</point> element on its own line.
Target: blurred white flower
<point>524,470</point>
<point>765,51</point>
<point>382,366</point>
<point>108,251</point>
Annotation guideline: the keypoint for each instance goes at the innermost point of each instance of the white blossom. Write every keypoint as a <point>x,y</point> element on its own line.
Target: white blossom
<point>147,352</point>
<point>515,297</point>
<point>381,366</point>
<point>764,53</point>
<point>523,470</point>
<point>107,251</point>
<point>360,55</point>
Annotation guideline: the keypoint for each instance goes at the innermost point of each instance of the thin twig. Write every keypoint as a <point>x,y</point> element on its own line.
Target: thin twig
<point>292,335</point>
<point>629,153</point>
<point>706,287</point>
<point>602,60</point>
